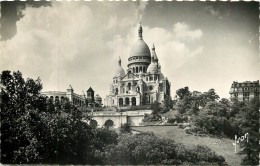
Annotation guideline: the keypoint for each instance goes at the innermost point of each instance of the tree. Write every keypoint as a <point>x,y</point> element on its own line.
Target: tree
<point>182,92</point>
<point>248,122</point>
<point>155,107</point>
<point>37,130</point>
<point>147,149</point>
<point>20,100</point>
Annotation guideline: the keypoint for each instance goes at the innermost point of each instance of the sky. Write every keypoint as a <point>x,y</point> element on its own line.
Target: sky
<point>201,45</point>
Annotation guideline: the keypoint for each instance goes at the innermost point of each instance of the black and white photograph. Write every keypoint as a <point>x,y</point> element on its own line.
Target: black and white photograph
<point>147,82</point>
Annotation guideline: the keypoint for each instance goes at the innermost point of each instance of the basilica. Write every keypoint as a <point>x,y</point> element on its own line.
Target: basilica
<point>143,82</point>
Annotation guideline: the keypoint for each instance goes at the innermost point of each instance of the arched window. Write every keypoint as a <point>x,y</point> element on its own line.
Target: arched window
<point>133,69</point>
<point>116,91</point>
<point>129,86</point>
<point>126,101</point>
<point>62,99</point>
<point>109,124</point>
<point>136,69</point>
<point>120,101</point>
<point>140,69</point>
<point>133,101</point>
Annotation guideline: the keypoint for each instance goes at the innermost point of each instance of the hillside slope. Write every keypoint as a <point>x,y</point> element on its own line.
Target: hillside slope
<point>222,147</point>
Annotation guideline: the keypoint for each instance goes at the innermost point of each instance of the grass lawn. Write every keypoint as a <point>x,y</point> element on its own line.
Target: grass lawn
<point>223,147</point>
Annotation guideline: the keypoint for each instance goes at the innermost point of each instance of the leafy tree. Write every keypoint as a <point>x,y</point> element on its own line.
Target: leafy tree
<point>248,122</point>
<point>37,130</point>
<point>20,100</point>
<point>155,107</point>
<point>145,148</point>
<point>225,102</point>
<point>182,92</point>
<point>215,108</point>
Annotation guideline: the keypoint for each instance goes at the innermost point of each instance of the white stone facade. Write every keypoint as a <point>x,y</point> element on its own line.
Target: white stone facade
<point>142,83</point>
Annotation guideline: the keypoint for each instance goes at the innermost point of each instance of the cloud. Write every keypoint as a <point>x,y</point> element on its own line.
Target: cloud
<point>56,43</point>
<point>172,48</point>
<point>214,12</point>
<point>79,43</point>
<point>183,32</point>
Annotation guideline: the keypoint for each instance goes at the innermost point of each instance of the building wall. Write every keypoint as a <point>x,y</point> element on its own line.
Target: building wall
<point>131,117</point>
<point>57,95</point>
<point>146,88</point>
<point>244,91</point>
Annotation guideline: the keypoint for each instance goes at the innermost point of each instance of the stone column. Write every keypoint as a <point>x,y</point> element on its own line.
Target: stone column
<point>123,101</point>
<point>132,86</point>
<point>138,100</point>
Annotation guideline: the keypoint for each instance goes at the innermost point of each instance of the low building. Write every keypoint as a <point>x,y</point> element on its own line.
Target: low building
<point>245,91</point>
<point>76,99</point>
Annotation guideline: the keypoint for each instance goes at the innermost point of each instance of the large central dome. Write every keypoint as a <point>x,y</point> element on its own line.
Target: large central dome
<point>140,48</point>
<point>140,53</point>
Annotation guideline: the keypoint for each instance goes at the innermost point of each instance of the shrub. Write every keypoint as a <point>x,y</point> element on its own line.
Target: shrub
<point>147,149</point>
<point>181,126</point>
<point>125,128</point>
<point>178,119</point>
<point>151,118</point>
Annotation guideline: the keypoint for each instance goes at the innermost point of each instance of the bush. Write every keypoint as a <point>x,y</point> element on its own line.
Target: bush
<point>187,130</point>
<point>181,126</point>
<point>151,118</point>
<point>147,149</point>
<point>125,128</point>
<point>197,130</point>
<point>178,119</point>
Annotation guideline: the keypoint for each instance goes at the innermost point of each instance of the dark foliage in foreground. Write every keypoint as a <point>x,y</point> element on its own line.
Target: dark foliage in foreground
<point>222,118</point>
<point>145,149</point>
<point>35,129</point>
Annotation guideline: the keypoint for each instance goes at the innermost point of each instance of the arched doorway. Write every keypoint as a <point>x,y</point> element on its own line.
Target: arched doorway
<point>62,99</point>
<point>93,124</point>
<point>109,124</point>
<point>133,101</point>
<point>127,101</point>
<point>120,102</point>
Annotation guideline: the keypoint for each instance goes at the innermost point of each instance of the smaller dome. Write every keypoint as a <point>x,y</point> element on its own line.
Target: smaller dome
<point>119,71</point>
<point>153,67</point>
<point>161,75</point>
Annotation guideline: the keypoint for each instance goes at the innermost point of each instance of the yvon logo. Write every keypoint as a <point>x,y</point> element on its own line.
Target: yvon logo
<point>240,139</point>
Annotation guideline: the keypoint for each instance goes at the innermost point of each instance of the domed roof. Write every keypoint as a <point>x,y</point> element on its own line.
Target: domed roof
<point>153,67</point>
<point>119,71</point>
<point>140,48</point>
<point>161,75</point>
